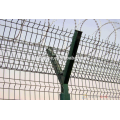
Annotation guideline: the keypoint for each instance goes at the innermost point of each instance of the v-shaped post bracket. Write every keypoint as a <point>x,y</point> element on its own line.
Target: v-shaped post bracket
<point>63,76</point>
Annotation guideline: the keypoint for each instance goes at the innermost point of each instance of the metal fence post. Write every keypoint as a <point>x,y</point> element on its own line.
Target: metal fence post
<point>64,76</point>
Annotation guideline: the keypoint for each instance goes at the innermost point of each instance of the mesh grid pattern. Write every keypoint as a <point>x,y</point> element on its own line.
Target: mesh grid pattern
<point>26,75</point>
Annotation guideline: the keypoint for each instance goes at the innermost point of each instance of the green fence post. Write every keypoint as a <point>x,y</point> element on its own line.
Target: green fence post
<point>55,64</point>
<point>64,93</point>
<point>64,76</point>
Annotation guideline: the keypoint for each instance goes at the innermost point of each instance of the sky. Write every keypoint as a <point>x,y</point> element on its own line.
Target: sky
<point>89,27</point>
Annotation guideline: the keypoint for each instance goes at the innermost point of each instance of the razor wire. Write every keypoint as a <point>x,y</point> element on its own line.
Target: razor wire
<point>97,62</point>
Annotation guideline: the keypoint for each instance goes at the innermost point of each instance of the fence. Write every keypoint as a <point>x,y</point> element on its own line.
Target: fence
<point>26,71</point>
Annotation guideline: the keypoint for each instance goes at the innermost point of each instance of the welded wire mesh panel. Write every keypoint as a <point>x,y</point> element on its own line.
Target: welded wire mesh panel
<point>20,85</point>
<point>27,52</point>
<point>97,60</point>
<point>26,71</point>
<point>96,70</point>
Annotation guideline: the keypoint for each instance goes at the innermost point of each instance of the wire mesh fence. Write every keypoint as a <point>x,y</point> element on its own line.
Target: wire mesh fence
<point>26,71</point>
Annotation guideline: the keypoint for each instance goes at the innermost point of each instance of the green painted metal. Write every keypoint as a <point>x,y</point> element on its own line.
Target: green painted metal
<point>72,54</point>
<point>63,77</point>
<point>65,95</point>
<point>55,64</point>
